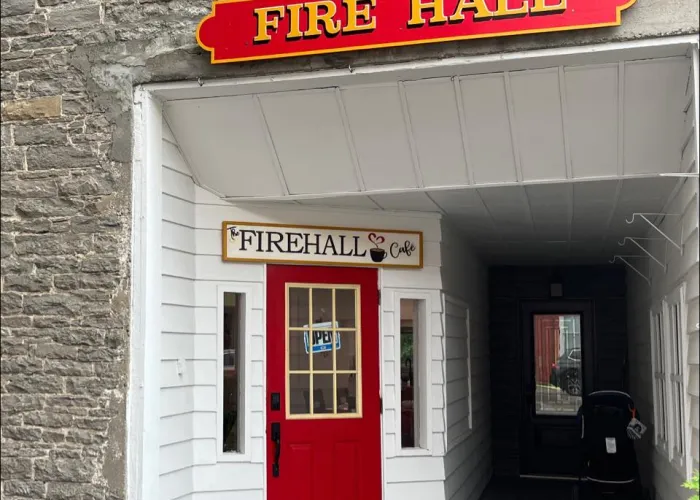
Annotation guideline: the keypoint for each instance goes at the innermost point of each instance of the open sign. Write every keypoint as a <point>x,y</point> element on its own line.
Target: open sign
<point>321,340</point>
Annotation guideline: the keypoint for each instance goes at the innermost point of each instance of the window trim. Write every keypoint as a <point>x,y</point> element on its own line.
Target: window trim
<point>658,372</point>
<point>680,461</point>
<point>248,290</point>
<point>425,426</point>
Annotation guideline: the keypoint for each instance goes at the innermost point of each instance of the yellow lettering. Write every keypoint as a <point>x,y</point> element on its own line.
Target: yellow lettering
<point>502,9</point>
<point>539,7</point>
<point>417,8</point>
<point>264,22</point>
<point>481,11</point>
<point>364,13</point>
<point>315,16</point>
<point>294,23</point>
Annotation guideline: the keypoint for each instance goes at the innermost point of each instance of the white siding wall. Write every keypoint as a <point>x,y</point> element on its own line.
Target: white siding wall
<point>665,478</point>
<point>468,456</point>
<point>190,466</point>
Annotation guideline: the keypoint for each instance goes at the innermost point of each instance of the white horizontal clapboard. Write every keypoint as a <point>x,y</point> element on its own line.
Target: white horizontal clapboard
<point>324,245</point>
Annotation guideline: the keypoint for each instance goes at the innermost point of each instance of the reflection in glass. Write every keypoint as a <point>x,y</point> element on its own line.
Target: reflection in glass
<point>558,364</point>
<point>323,393</point>
<point>347,351</point>
<point>299,394</point>
<point>298,357</point>
<point>345,307</point>
<point>298,307</point>
<point>322,302</point>
<point>234,307</point>
<point>346,392</point>
<point>409,369</point>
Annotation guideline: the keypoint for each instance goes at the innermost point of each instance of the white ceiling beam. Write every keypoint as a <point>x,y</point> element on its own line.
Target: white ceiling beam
<point>271,146</point>
<point>621,118</point>
<point>564,123</point>
<point>528,207</point>
<point>463,128</point>
<point>450,187</point>
<point>350,139</point>
<point>442,210</point>
<point>512,122</point>
<point>409,133</point>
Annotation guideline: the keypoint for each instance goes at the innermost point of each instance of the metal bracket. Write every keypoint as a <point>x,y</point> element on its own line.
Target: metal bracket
<point>644,217</point>
<point>634,240</point>
<point>624,258</point>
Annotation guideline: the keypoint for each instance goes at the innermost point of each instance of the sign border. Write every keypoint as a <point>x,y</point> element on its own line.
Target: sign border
<point>212,60</point>
<point>225,258</point>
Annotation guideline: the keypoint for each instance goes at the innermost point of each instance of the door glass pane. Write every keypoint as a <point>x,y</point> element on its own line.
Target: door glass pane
<point>558,364</point>
<point>323,394</point>
<point>298,353</point>
<point>322,307</point>
<point>299,399</point>
<point>346,351</point>
<point>347,392</point>
<point>298,307</point>
<point>345,307</point>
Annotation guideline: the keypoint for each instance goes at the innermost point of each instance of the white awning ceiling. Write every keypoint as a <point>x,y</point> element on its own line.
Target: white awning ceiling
<point>540,164</point>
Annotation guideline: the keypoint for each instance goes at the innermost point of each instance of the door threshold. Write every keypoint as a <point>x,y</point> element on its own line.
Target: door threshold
<point>549,476</point>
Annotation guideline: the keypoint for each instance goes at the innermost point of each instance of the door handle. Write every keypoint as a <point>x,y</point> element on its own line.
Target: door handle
<point>276,436</point>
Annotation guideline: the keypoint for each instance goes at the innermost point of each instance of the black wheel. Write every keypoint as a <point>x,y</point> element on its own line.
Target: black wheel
<point>572,385</point>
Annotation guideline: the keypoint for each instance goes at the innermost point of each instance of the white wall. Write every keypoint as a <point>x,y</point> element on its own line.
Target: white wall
<point>190,466</point>
<point>656,469</point>
<point>468,447</point>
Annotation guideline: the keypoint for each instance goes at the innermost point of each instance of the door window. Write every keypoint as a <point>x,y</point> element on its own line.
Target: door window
<point>558,366</point>
<point>323,363</point>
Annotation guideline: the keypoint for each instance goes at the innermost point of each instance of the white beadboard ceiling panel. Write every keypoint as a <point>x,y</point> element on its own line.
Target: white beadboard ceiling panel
<point>310,140</point>
<point>537,128</point>
<point>488,129</point>
<point>592,119</point>
<point>653,115</point>
<point>436,132</point>
<point>376,121</point>
<point>224,138</point>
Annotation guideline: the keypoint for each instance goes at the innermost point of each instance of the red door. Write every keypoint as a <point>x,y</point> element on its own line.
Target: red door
<point>323,406</point>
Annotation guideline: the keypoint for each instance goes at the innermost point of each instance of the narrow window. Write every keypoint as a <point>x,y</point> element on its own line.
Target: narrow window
<point>677,380</point>
<point>410,373</point>
<point>658,354</point>
<point>234,325</point>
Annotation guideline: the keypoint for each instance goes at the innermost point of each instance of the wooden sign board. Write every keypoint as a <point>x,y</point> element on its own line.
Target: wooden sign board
<point>248,30</point>
<point>321,245</point>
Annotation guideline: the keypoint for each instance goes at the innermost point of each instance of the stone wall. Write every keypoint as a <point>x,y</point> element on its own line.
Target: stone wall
<point>68,72</point>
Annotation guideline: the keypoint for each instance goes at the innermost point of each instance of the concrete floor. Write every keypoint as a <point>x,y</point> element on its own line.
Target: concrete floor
<point>528,489</point>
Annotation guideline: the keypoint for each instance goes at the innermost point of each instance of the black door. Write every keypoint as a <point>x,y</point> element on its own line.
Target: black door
<point>557,371</point>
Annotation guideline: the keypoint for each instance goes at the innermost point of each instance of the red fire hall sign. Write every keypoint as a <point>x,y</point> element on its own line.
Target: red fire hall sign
<point>246,30</point>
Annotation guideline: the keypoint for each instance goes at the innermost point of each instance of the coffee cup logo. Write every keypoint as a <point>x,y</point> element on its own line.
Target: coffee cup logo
<point>377,253</point>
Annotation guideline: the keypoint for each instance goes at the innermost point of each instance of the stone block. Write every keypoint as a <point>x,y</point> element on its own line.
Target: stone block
<point>25,489</point>
<point>28,188</point>
<point>16,7</point>
<point>22,25</point>
<point>49,207</point>
<point>31,109</point>
<point>33,384</point>
<point>21,433</point>
<point>76,471</point>
<point>15,468</point>
<point>50,157</point>
<point>10,303</point>
<point>75,18</point>
<point>40,134</point>
<point>30,283</point>
<point>72,491</point>
<point>48,419</point>
<point>11,159</point>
